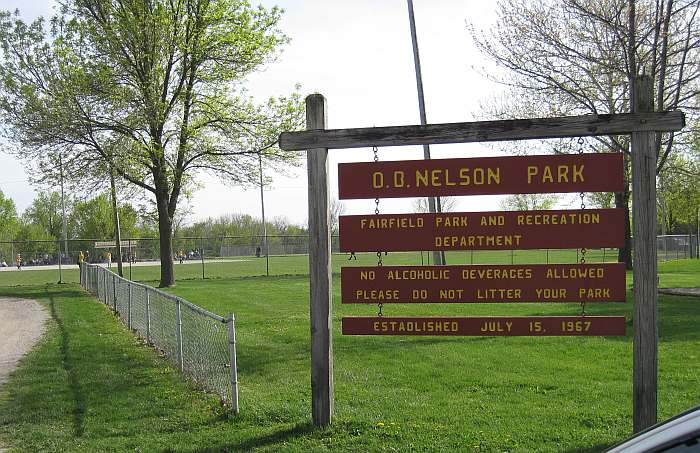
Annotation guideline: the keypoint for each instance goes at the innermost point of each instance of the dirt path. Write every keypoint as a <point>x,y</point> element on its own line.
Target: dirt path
<point>21,325</point>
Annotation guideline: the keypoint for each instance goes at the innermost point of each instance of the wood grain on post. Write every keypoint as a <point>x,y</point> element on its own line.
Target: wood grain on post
<point>319,269</point>
<point>484,131</point>
<point>645,366</point>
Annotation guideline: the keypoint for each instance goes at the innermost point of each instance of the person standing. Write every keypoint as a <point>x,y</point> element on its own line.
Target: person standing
<point>109,260</point>
<point>18,261</point>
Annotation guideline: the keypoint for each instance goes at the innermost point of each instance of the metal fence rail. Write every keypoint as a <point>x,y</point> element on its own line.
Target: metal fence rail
<point>201,344</point>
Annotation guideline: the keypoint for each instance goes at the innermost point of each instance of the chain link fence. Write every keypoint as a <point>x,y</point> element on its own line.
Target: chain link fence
<point>676,247</point>
<point>235,256</point>
<point>201,344</point>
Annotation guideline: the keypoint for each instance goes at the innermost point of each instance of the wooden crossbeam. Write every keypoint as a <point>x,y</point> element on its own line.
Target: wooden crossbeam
<point>484,131</point>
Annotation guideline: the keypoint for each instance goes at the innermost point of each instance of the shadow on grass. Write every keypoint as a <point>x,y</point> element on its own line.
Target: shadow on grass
<point>595,449</point>
<point>273,438</point>
<point>678,319</point>
<point>38,292</point>
<point>67,363</point>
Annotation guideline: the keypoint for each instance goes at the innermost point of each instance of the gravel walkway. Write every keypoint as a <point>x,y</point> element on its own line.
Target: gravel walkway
<point>22,323</point>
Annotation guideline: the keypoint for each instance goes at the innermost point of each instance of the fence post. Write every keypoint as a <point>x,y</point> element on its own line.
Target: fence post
<point>178,336</point>
<point>231,325</point>
<point>60,267</point>
<point>148,316</point>
<point>201,253</point>
<point>114,290</point>
<point>128,308</point>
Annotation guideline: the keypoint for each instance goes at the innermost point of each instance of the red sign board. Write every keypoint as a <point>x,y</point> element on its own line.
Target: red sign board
<point>484,283</point>
<point>538,326</point>
<point>499,230</point>
<point>482,176</point>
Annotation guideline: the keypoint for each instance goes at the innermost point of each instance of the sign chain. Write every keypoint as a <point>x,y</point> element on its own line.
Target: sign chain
<point>581,142</point>
<point>380,263</point>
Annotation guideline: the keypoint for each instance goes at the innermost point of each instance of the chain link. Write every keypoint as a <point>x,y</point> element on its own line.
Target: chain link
<point>380,263</point>
<point>582,260</point>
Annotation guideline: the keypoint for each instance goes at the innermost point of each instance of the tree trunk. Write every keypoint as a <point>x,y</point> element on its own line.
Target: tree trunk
<point>622,200</point>
<point>117,228</point>
<point>165,231</point>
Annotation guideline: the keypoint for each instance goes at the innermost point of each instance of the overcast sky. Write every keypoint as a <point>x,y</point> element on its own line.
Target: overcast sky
<point>358,54</point>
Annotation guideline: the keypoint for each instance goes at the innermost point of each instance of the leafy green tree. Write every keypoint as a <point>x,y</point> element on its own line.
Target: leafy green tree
<point>34,242</point>
<point>46,212</point>
<point>151,90</point>
<point>93,219</point>
<point>529,202</point>
<point>600,200</point>
<point>678,195</point>
<point>9,223</point>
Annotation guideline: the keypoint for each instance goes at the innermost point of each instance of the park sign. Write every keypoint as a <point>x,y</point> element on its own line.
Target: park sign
<point>490,326</point>
<point>482,176</point>
<point>498,230</point>
<point>550,283</point>
<point>641,126</point>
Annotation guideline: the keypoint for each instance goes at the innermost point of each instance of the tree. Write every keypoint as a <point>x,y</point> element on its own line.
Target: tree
<point>337,208</point>
<point>33,242</point>
<point>93,219</point>
<point>678,195</point>
<point>529,202</point>
<point>447,204</point>
<point>571,57</point>
<point>600,200</point>
<point>9,223</point>
<point>151,90</point>
<point>46,212</point>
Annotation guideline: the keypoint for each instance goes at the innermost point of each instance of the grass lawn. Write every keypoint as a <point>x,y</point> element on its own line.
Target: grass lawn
<point>90,386</point>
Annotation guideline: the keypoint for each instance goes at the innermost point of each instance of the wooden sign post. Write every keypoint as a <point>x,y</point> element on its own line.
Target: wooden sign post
<point>320,272</point>
<point>445,233</point>
<point>646,330</point>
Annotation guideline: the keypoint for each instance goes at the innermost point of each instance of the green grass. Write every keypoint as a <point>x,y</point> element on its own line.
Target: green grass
<point>90,386</point>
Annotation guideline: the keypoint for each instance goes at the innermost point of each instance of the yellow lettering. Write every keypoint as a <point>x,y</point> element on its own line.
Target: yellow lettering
<point>531,171</point>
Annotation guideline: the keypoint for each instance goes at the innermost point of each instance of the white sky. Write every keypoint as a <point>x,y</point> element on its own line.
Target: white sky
<point>358,54</point>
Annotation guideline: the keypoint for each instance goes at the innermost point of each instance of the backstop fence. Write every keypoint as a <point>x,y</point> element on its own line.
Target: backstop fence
<point>201,344</point>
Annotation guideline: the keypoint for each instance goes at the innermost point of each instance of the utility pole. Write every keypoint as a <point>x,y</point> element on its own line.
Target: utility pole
<point>117,227</point>
<point>65,223</point>
<point>433,202</point>
<point>262,205</point>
